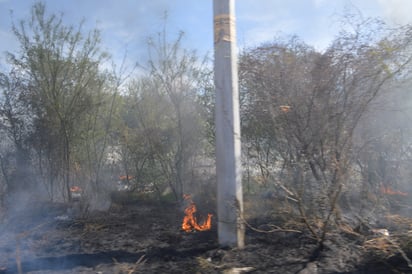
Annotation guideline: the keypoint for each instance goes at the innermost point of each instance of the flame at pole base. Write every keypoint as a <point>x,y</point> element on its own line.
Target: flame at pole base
<point>189,220</point>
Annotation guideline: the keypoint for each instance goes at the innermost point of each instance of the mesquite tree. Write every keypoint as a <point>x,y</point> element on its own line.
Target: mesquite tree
<point>301,108</point>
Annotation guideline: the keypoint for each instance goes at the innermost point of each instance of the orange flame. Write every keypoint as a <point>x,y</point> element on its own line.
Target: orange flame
<point>189,220</point>
<point>284,108</point>
<point>75,189</point>
<point>390,191</point>
<point>124,177</point>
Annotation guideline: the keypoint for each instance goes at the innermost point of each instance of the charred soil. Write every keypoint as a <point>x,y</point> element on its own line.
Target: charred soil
<point>146,237</point>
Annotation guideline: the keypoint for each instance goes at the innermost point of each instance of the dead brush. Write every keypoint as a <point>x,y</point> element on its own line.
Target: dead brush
<point>282,216</point>
<point>381,245</point>
<point>19,238</point>
<point>295,223</point>
<point>405,240</point>
<point>126,268</point>
<point>348,230</point>
<point>92,228</point>
<point>401,222</point>
<point>387,247</point>
<point>207,265</point>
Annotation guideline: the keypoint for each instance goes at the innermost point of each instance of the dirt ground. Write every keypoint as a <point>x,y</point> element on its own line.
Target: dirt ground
<point>146,237</point>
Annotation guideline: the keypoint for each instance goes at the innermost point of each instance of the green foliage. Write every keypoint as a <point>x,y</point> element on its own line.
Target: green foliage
<point>162,131</point>
<point>59,68</point>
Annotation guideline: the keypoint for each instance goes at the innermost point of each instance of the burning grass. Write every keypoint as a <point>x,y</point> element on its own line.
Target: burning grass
<point>390,191</point>
<point>190,222</point>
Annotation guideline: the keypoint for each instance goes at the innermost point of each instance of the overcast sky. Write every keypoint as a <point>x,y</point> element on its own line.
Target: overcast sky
<point>126,24</point>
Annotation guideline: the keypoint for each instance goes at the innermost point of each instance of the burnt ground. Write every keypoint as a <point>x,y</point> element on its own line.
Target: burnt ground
<point>145,237</point>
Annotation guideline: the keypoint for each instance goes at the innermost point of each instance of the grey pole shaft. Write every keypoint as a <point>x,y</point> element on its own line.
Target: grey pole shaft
<point>227,121</point>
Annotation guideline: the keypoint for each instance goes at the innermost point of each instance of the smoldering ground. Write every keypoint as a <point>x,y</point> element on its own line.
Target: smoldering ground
<point>146,237</point>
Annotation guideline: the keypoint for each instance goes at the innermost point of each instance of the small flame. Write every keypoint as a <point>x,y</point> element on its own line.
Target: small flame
<point>75,189</point>
<point>124,177</point>
<point>390,191</point>
<point>284,108</point>
<point>189,220</point>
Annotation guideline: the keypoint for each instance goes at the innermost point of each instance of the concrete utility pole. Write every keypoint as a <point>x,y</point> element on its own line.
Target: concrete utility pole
<point>228,162</point>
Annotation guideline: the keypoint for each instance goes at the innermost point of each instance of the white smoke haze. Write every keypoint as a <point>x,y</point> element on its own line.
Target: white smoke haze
<point>388,125</point>
<point>397,11</point>
<point>129,28</point>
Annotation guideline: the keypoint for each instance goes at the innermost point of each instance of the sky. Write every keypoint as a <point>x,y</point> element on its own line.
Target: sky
<point>126,25</point>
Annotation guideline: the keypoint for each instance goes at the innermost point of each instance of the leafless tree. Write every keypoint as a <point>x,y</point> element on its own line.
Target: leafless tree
<point>301,108</point>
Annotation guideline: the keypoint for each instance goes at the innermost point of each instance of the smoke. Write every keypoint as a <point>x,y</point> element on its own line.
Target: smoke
<point>384,138</point>
<point>397,11</point>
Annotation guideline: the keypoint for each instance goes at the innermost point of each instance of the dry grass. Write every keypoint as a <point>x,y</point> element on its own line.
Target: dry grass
<point>125,268</point>
<point>400,222</point>
<point>381,245</point>
<point>348,230</point>
<point>388,246</point>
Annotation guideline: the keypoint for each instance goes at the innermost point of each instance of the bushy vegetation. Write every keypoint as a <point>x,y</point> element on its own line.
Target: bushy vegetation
<point>322,131</point>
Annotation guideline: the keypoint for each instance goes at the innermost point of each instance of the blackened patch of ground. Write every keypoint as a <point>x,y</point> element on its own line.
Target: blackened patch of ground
<point>71,261</point>
<point>146,237</point>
